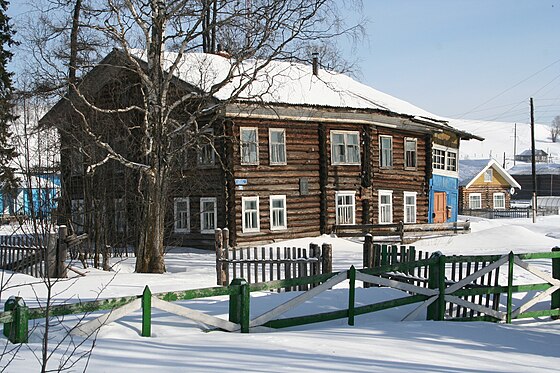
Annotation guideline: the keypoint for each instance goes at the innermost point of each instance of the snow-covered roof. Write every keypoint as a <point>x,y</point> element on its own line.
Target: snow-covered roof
<point>472,169</point>
<point>530,153</point>
<point>541,169</point>
<point>282,82</point>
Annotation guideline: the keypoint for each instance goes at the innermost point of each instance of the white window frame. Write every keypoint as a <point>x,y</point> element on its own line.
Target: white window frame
<point>445,161</point>
<point>242,146</point>
<point>120,215</point>
<point>471,199</point>
<point>176,219</point>
<point>278,146</point>
<point>340,207</point>
<point>204,229</point>
<point>407,217</point>
<point>206,142</point>
<point>503,198</point>
<point>244,211</point>
<point>415,152</point>
<point>382,193</point>
<point>282,211</point>
<point>385,161</point>
<point>488,175</point>
<point>451,162</point>
<point>347,148</point>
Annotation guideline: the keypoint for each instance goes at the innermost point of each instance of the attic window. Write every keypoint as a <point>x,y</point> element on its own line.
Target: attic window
<point>488,175</point>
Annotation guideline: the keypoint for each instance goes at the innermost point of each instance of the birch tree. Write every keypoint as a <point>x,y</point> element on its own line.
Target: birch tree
<point>153,38</point>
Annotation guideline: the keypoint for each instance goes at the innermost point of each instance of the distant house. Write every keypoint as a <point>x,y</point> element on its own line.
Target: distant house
<point>484,184</point>
<point>36,197</point>
<point>548,180</point>
<point>540,156</point>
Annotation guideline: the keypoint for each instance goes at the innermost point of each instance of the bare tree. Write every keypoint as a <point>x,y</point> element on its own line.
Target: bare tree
<point>555,128</point>
<point>154,39</point>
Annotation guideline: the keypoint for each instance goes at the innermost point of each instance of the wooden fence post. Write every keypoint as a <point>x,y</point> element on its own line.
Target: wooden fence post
<point>17,331</point>
<point>146,312</point>
<point>555,300</point>
<point>368,256</point>
<point>239,304</point>
<point>61,252</point>
<point>509,306</point>
<point>327,258</point>
<point>436,280</point>
<point>51,263</point>
<point>351,295</point>
<point>218,245</point>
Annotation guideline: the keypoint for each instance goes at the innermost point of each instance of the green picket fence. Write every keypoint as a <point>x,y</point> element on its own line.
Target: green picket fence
<point>434,300</point>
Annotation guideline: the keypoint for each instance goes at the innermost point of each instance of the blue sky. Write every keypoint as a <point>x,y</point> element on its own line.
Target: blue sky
<point>477,59</point>
<point>466,58</point>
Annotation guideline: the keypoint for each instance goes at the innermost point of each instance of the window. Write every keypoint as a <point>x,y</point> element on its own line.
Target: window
<point>488,175</point>
<point>345,147</point>
<point>249,146</point>
<point>181,213</point>
<point>385,206</point>
<point>410,207</point>
<point>409,153</point>
<point>345,208</point>
<point>278,213</point>
<point>438,161</point>
<point>208,215</point>
<point>78,215</point>
<point>385,151</point>
<point>475,201</point>
<point>499,200</point>
<point>205,149</point>
<point>277,144</point>
<point>451,161</point>
<point>120,215</point>
<point>444,159</point>
<point>250,214</point>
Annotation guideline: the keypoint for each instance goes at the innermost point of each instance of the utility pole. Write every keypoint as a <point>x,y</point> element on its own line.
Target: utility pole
<point>533,165</point>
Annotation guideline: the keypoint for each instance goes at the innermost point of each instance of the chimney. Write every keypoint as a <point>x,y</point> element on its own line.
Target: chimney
<point>315,63</point>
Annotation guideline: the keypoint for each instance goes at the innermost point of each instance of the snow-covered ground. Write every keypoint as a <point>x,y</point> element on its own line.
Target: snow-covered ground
<point>378,342</point>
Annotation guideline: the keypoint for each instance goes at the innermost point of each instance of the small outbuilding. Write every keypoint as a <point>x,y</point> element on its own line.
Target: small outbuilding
<point>526,156</point>
<point>484,184</point>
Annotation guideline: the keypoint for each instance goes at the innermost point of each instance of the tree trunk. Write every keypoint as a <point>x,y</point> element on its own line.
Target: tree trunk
<point>151,228</point>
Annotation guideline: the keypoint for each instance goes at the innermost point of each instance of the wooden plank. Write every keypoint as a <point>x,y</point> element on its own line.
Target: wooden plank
<point>533,301</point>
<point>536,272</point>
<point>87,329</point>
<point>284,307</point>
<point>466,304</point>
<point>470,278</point>
<point>395,284</point>
<point>195,315</point>
<point>412,315</point>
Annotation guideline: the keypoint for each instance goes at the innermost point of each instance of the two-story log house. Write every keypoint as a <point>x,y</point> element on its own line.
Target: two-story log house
<point>316,149</point>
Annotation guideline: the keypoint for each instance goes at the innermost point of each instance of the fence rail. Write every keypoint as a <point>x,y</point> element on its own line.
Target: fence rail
<point>261,264</point>
<point>400,232</point>
<point>509,213</point>
<point>433,299</point>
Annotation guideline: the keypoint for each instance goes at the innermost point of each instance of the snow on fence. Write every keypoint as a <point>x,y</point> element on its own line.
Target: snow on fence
<point>262,264</point>
<point>432,300</point>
